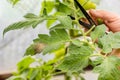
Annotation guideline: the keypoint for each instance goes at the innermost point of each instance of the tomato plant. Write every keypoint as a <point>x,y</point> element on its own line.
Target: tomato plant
<point>74,47</point>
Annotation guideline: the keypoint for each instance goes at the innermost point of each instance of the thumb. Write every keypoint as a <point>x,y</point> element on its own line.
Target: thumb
<point>105,15</point>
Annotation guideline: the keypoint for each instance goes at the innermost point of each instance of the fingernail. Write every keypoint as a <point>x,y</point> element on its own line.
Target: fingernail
<point>93,10</point>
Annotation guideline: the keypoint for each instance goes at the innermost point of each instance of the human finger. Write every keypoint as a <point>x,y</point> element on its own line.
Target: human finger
<point>105,15</point>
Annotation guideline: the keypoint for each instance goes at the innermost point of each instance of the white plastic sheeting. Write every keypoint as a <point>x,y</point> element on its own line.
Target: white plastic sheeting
<point>110,5</point>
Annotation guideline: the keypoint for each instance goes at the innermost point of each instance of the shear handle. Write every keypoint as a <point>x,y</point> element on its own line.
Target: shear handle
<point>86,25</point>
<point>86,14</point>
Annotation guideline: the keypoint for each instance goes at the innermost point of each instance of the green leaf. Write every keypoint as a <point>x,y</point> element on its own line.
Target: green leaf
<point>65,21</point>
<point>48,5</point>
<point>58,26</point>
<point>77,42</point>
<point>18,25</point>
<point>30,16</point>
<point>33,72</point>
<point>19,76</point>
<point>25,63</point>
<point>16,78</point>
<point>77,59</point>
<point>98,32</point>
<point>30,50</point>
<point>116,39</point>
<point>34,48</point>
<point>50,22</point>
<point>83,50</point>
<point>74,63</point>
<point>109,69</point>
<point>45,12</point>
<point>98,60</point>
<point>14,1</point>
<point>54,40</point>
<point>110,41</point>
<point>24,24</point>
<point>53,19</point>
<point>64,8</point>
<point>42,72</point>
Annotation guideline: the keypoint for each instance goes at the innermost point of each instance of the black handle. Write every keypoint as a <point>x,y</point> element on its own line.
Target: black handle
<point>86,14</point>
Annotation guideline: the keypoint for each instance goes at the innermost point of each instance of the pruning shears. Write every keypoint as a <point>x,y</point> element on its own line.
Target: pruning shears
<point>90,20</point>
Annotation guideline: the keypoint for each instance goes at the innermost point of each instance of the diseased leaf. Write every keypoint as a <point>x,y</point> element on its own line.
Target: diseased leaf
<point>98,32</point>
<point>34,49</point>
<point>54,40</point>
<point>109,69</point>
<point>110,41</point>
<point>30,50</point>
<point>43,38</point>
<point>77,59</point>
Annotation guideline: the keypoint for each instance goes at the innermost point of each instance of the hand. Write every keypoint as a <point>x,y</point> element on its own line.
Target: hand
<point>111,20</point>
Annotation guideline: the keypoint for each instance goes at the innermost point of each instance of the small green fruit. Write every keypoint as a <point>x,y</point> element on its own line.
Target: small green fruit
<point>59,53</point>
<point>89,5</point>
<point>81,1</point>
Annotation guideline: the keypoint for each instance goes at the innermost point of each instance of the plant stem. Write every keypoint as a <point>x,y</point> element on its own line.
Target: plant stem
<point>98,54</point>
<point>58,73</point>
<point>77,20</point>
<point>90,30</point>
<point>67,77</point>
<point>76,76</point>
